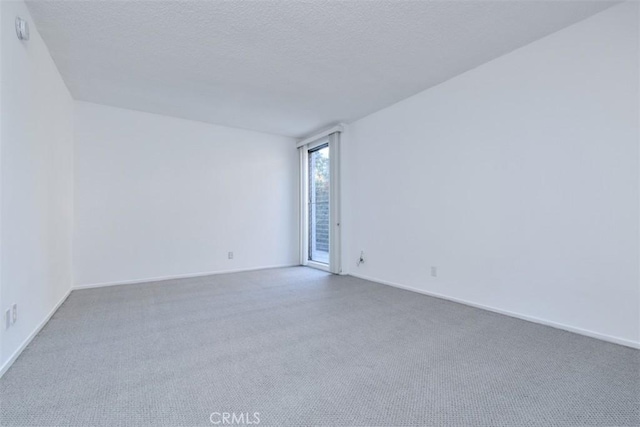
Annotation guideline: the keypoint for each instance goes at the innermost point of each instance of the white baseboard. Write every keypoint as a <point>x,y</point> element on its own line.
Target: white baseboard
<point>616,340</point>
<point>32,335</point>
<point>179,276</point>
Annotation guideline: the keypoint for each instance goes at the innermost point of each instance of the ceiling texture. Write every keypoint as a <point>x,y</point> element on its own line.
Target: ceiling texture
<point>284,67</point>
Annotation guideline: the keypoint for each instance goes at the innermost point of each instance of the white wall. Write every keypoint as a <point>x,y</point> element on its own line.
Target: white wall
<point>518,180</point>
<point>158,196</point>
<point>36,182</point>
<point>2,304</point>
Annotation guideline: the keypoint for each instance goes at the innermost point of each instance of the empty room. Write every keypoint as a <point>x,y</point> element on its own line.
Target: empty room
<point>319,213</point>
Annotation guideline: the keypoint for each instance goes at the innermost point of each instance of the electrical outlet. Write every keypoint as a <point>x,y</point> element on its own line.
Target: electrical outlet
<point>7,318</point>
<point>230,255</point>
<point>14,313</point>
<point>434,271</point>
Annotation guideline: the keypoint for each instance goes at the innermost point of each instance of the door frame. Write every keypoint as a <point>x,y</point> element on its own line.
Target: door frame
<point>304,203</point>
<point>333,139</point>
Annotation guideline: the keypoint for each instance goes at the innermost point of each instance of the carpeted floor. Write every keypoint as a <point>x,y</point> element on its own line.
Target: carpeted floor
<point>301,347</point>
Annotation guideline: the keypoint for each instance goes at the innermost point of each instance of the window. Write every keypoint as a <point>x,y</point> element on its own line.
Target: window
<point>320,200</point>
<point>319,204</point>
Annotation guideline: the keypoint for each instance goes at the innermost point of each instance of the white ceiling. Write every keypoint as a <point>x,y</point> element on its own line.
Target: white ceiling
<point>283,67</point>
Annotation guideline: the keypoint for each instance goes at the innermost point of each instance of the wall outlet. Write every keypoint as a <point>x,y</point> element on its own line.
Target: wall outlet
<point>434,271</point>
<point>230,255</point>
<point>14,313</point>
<point>7,318</point>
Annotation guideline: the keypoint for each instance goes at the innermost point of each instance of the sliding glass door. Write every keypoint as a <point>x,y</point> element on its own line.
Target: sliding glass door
<point>319,204</point>
<point>320,233</point>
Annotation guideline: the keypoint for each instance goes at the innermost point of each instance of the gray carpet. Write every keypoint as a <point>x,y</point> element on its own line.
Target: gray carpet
<point>302,347</point>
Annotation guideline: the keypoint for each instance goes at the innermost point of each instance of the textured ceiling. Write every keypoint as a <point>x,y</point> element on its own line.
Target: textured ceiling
<point>284,67</point>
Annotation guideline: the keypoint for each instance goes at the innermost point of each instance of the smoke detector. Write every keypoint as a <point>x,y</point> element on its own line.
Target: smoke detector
<point>22,28</point>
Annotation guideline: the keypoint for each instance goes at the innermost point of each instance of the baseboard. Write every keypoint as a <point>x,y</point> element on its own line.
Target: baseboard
<point>179,276</point>
<point>612,339</point>
<point>32,335</point>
